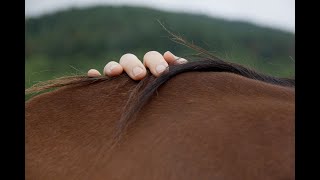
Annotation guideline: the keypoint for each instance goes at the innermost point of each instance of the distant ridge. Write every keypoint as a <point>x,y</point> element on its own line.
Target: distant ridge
<point>92,36</point>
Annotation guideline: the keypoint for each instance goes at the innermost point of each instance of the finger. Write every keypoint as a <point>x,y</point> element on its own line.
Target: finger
<point>133,66</point>
<point>172,59</point>
<point>93,73</point>
<point>155,62</point>
<point>112,68</point>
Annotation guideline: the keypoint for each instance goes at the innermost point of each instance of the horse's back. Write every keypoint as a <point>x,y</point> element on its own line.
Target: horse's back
<point>197,126</point>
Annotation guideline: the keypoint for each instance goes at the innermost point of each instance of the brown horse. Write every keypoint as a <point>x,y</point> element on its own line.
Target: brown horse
<point>201,120</point>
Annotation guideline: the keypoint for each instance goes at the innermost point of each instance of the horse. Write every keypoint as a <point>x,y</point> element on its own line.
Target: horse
<point>206,119</point>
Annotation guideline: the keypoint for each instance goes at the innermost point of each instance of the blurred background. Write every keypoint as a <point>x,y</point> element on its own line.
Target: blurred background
<point>67,37</point>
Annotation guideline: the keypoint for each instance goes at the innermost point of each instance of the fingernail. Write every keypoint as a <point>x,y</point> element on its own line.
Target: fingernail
<point>181,61</point>
<point>178,60</point>
<point>93,73</point>
<point>160,68</point>
<point>137,71</point>
<point>112,66</point>
<point>169,52</point>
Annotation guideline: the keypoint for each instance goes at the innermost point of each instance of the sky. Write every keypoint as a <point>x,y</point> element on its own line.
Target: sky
<point>279,14</point>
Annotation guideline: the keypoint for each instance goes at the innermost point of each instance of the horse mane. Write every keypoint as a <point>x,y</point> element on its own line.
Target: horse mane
<point>145,88</point>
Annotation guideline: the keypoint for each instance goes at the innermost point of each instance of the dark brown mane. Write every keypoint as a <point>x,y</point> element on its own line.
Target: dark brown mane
<point>148,86</point>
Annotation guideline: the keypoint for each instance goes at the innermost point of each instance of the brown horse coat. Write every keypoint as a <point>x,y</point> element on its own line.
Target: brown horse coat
<point>198,125</point>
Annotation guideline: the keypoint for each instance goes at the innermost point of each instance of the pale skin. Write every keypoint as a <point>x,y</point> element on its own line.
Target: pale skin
<point>137,70</point>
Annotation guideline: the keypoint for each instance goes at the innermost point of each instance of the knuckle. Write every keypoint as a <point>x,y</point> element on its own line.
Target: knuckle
<point>152,57</point>
<point>151,54</point>
<point>126,58</point>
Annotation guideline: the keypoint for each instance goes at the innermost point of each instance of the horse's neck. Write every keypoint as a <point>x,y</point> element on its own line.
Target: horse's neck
<point>203,124</point>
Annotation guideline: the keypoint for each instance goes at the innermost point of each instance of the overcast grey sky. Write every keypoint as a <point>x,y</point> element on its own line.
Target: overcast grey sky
<point>272,13</point>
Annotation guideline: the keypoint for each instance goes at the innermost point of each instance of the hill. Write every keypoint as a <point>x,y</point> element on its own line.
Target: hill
<point>75,40</point>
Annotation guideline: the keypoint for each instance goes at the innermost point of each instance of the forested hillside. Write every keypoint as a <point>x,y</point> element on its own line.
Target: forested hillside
<point>72,41</point>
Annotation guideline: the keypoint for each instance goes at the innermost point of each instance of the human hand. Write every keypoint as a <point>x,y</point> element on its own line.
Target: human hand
<point>136,69</point>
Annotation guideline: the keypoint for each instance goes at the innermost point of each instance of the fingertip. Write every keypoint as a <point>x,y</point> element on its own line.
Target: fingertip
<point>127,58</point>
<point>172,59</point>
<point>93,73</point>
<point>117,70</point>
<point>133,66</point>
<point>160,69</point>
<point>112,69</point>
<point>138,73</point>
<point>155,62</point>
<point>168,56</point>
